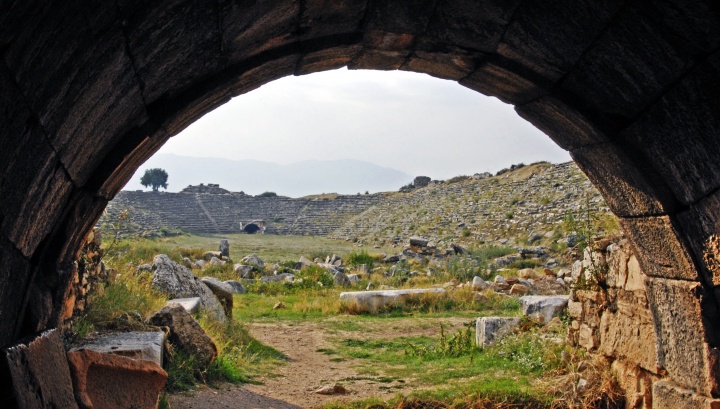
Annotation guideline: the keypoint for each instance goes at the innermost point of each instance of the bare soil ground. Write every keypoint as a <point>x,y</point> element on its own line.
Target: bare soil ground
<point>308,369</point>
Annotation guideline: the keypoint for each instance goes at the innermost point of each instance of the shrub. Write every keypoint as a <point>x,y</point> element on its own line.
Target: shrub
<point>268,194</point>
<point>457,179</point>
<point>360,257</point>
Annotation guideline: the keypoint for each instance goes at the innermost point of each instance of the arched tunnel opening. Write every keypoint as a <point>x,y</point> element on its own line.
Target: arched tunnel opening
<point>630,89</point>
<point>251,228</point>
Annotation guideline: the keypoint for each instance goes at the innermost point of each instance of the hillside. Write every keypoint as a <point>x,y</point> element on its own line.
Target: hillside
<point>525,205</point>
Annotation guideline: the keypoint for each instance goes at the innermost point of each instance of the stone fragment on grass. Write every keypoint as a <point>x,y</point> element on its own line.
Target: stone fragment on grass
<point>543,307</point>
<point>235,286</point>
<point>489,329</point>
<point>519,289</point>
<point>372,301</point>
<point>186,333</point>
<point>478,284</point>
<point>254,260</point>
<point>223,292</point>
<point>224,248</point>
<point>177,281</point>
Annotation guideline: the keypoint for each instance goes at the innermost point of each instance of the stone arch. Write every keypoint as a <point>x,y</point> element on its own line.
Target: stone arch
<point>91,89</point>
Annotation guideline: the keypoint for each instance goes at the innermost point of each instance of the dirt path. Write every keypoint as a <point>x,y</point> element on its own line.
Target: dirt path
<point>307,369</point>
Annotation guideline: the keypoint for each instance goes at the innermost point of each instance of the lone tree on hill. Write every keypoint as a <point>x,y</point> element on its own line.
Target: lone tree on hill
<point>156,178</point>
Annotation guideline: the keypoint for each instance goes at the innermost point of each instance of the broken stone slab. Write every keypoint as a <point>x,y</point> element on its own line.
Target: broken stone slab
<point>222,292</point>
<point>478,284</point>
<point>186,333</point>
<point>114,381</point>
<point>489,329</point>
<point>372,301</point>
<point>178,282</point>
<point>191,305</point>
<point>140,345</point>
<point>543,307</point>
<point>40,373</point>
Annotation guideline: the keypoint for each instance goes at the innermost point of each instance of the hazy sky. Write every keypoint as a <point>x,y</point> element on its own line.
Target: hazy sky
<point>415,123</point>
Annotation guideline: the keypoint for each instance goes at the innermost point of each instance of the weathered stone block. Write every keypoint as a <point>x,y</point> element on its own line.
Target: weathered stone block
<point>549,38</point>
<point>650,63</point>
<point>659,247</point>
<point>678,126</point>
<point>113,381</point>
<point>186,333</point>
<point>703,235</point>
<point>223,292</point>
<point>324,18</point>
<point>628,333</point>
<point>40,373</point>
<point>177,281</point>
<point>667,394</point>
<point>185,43</point>
<point>489,329</point>
<point>628,189</point>
<point>472,24</point>
<point>543,307</point>
<point>249,29</point>
<point>681,334</point>
<point>505,84</point>
<point>144,346</point>
<point>372,301</point>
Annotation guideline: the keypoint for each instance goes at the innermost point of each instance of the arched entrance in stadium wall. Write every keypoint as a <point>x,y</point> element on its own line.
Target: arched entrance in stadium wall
<point>90,90</point>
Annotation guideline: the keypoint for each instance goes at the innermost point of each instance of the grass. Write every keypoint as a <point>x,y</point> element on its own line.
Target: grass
<point>445,370</point>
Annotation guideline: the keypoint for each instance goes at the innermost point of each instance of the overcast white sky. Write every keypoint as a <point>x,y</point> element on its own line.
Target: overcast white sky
<point>412,122</point>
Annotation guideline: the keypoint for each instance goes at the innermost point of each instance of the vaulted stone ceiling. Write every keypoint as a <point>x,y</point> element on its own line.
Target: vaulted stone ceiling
<point>90,89</point>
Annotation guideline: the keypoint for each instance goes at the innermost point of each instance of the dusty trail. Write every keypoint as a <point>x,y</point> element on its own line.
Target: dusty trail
<point>307,369</point>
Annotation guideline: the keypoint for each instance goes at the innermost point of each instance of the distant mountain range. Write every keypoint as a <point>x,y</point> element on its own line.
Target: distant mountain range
<point>255,177</point>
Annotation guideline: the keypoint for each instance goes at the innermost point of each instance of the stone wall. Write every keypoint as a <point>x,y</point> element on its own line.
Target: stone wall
<point>88,274</point>
<point>614,318</point>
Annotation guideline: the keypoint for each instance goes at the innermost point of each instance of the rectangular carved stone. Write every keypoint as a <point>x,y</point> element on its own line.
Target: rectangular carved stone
<point>40,373</point>
<point>508,86</point>
<point>563,124</point>
<point>253,27</point>
<point>473,24</point>
<point>700,223</point>
<point>400,16</point>
<point>549,37</point>
<point>627,189</point>
<point>684,123</point>
<point>681,334</point>
<point>659,248</point>
<point>442,65</point>
<point>379,60</point>
<point>185,43</point>
<point>328,17</point>
<point>650,63</point>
